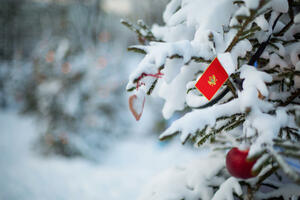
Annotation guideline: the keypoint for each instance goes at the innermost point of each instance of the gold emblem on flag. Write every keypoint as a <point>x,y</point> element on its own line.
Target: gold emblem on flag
<point>212,80</point>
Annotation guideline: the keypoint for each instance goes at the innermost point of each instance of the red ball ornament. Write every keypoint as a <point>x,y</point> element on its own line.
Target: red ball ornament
<point>238,165</point>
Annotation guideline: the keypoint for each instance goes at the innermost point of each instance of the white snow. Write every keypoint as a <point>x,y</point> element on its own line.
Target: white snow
<point>240,50</point>
<point>195,100</point>
<point>294,52</point>
<point>297,18</point>
<point>173,33</point>
<point>172,69</point>
<point>280,5</point>
<point>157,54</point>
<point>198,119</point>
<point>227,62</point>
<point>122,173</point>
<point>266,130</point>
<point>175,92</point>
<point>172,6</point>
<point>276,60</point>
<point>242,11</point>
<point>262,22</point>
<point>227,189</point>
<point>204,15</point>
<point>190,181</point>
<point>252,4</point>
<point>255,78</point>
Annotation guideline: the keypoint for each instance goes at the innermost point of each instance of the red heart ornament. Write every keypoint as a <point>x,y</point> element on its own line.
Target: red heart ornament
<point>136,106</point>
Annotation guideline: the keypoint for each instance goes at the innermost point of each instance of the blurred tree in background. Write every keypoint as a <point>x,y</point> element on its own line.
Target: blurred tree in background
<point>61,62</point>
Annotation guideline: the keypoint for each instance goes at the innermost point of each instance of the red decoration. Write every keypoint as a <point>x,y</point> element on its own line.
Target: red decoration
<point>133,101</point>
<point>212,79</point>
<point>138,83</point>
<point>238,165</point>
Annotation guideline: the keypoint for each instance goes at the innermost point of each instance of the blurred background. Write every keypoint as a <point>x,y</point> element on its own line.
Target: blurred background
<point>65,128</point>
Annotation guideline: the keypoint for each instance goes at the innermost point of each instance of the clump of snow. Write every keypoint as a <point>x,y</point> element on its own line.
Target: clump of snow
<point>227,62</point>
<point>242,11</point>
<point>175,93</point>
<point>199,14</point>
<point>297,19</point>
<point>198,119</point>
<point>190,181</point>
<point>173,33</point>
<point>171,8</point>
<point>227,189</point>
<point>195,100</point>
<point>233,22</point>
<point>276,60</point>
<point>266,130</point>
<point>294,52</point>
<point>281,50</point>
<point>240,50</point>
<point>252,4</point>
<point>280,5</point>
<point>172,69</point>
<point>157,54</point>
<point>260,161</point>
<point>262,22</point>
<point>255,78</point>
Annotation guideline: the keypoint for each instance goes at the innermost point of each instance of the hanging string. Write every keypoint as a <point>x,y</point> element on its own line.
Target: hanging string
<point>139,83</point>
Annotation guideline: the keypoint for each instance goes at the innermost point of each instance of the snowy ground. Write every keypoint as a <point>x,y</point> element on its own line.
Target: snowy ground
<point>26,176</point>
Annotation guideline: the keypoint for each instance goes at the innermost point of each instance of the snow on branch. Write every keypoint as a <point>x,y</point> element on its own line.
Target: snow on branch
<point>194,180</point>
<point>287,191</point>
<point>198,119</point>
<point>157,53</point>
<point>227,189</point>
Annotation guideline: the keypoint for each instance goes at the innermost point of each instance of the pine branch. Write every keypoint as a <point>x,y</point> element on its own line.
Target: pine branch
<point>286,145</point>
<point>291,22</point>
<point>137,50</point>
<point>236,124</point>
<point>204,138</point>
<point>194,58</point>
<point>269,185</point>
<point>247,21</point>
<point>142,30</point>
<point>291,98</point>
<point>231,124</point>
<point>238,2</point>
<point>290,154</point>
<point>250,31</point>
<point>285,167</point>
<point>240,35</point>
<point>265,176</point>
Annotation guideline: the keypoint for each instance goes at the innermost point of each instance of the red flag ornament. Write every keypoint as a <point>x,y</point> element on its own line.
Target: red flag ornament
<point>215,75</point>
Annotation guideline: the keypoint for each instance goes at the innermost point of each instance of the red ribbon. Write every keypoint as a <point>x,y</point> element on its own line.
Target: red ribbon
<point>157,75</point>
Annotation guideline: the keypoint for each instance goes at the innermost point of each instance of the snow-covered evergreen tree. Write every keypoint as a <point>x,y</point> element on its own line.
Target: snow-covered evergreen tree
<point>256,110</point>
